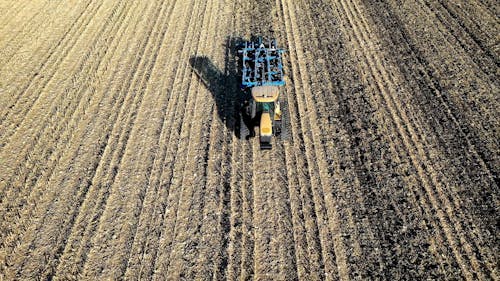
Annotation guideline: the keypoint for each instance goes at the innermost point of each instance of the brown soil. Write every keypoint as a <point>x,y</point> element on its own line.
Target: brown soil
<point>118,162</point>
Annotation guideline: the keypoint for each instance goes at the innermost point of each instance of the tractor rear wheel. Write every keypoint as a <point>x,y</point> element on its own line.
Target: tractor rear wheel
<point>244,131</point>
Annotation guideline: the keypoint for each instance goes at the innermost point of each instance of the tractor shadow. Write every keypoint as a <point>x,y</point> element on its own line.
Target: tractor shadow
<point>223,84</point>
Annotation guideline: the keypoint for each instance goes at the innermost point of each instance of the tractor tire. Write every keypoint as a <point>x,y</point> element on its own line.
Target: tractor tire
<point>253,110</point>
<point>244,132</point>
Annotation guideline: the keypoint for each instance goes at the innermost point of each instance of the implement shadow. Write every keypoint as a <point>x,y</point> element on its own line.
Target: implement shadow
<point>223,84</point>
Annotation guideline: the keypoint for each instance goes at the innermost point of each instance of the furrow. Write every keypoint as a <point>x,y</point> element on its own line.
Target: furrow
<point>410,142</point>
<point>235,178</point>
<point>176,107</point>
<point>481,25</point>
<point>54,205</point>
<point>367,66</point>
<point>57,62</point>
<point>489,70</point>
<point>353,121</point>
<point>301,258</point>
<point>13,198</point>
<point>466,90</point>
<point>183,56</point>
<point>415,68</point>
<point>75,252</point>
<point>483,57</point>
<point>139,260</point>
<point>17,25</point>
<point>351,114</point>
<point>244,253</point>
<point>463,162</point>
<point>23,143</point>
<point>14,10</point>
<point>22,68</point>
<point>213,255</point>
<point>265,265</point>
<point>246,250</point>
<point>236,212</point>
<point>186,86</point>
<point>120,155</point>
<point>188,240</point>
<point>143,132</point>
<point>442,193</point>
<point>287,216</point>
<point>376,71</point>
<point>138,236</point>
<point>300,208</point>
<point>314,267</point>
<point>27,30</point>
<point>328,217</point>
<point>286,222</point>
<point>42,145</point>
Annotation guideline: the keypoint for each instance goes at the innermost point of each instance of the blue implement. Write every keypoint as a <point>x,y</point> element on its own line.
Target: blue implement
<point>262,64</point>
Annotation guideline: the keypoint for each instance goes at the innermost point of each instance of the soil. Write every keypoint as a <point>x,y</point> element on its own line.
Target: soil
<point>120,156</point>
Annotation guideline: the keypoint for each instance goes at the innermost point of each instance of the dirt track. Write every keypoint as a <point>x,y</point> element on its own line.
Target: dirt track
<point>118,161</point>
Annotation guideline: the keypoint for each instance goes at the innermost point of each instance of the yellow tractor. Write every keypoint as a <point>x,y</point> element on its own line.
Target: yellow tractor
<point>264,110</point>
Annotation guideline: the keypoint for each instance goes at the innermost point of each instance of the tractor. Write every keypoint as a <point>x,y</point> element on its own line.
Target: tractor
<point>262,109</point>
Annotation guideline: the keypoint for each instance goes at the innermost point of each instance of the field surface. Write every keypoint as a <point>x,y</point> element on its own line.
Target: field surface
<point>119,161</point>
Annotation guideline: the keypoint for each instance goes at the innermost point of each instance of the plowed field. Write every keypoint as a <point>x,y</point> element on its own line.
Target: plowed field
<point>119,161</point>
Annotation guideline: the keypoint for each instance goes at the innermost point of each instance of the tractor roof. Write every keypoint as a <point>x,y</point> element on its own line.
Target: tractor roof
<point>265,93</point>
